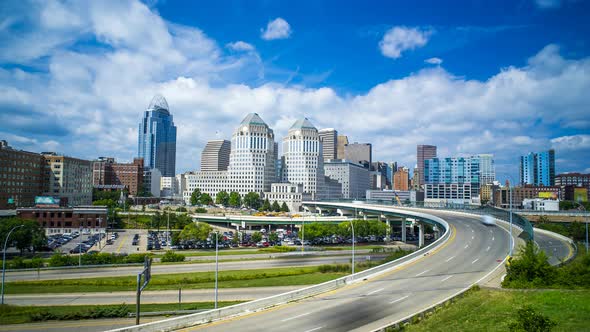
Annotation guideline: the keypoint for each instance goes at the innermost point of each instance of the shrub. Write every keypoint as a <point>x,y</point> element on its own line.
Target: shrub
<point>200,210</point>
<point>528,319</point>
<point>171,256</point>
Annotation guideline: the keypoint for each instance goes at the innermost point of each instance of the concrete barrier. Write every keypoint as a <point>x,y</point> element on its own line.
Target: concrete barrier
<point>177,323</point>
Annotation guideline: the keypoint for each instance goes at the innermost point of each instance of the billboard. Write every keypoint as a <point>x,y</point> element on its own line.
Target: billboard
<point>548,194</point>
<point>46,200</point>
<point>581,194</point>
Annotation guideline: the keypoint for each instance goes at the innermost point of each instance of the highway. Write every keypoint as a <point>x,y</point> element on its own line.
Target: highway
<point>472,251</point>
<point>101,272</point>
<point>167,296</point>
<point>555,249</point>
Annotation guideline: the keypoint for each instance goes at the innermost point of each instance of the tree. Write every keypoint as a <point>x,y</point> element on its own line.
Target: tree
<point>252,200</point>
<point>531,268</point>
<point>196,196</point>
<point>276,207</point>
<point>222,198</point>
<point>273,237</point>
<point>235,200</point>
<point>284,207</point>
<point>109,203</point>
<point>265,206</point>
<point>256,237</point>
<point>528,320</point>
<point>30,236</point>
<point>195,232</point>
<point>206,199</point>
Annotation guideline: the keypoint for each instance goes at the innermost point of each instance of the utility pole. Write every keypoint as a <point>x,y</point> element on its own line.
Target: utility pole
<point>4,258</point>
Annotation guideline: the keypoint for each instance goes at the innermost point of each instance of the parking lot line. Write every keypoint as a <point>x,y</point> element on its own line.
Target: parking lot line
<point>123,239</point>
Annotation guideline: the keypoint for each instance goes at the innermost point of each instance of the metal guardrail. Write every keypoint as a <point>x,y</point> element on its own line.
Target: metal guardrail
<point>177,323</point>
<point>498,213</point>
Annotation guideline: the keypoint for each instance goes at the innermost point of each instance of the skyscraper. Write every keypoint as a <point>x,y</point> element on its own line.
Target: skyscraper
<point>304,163</point>
<point>359,153</point>
<point>329,139</point>
<point>424,152</point>
<point>487,172</point>
<point>452,179</point>
<point>215,156</point>
<point>401,179</point>
<point>342,141</point>
<point>252,160</point>
<point>538,168</point>
<point>157,137</point>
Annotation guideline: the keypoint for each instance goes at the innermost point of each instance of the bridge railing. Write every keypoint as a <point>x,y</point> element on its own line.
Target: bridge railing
<point>495,212</point>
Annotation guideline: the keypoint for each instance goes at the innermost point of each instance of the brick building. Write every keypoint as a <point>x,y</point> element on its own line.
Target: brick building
<point>106,172</point>
<point>67,178</point>
<point>21,177</point>
<point>60,220</point>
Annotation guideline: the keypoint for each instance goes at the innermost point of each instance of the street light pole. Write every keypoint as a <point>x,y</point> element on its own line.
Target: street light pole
<point>4,258</point>
<point>216,264</point>
<point>352,227</point>
<point>511,239</point>
<point>302,235</point>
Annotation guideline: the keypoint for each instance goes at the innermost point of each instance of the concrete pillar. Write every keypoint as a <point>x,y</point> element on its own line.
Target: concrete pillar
<point>388,230</point>
<point>421,235</point>
<point>412,231</point>
<point>340,212</point>
<point>404,230</point>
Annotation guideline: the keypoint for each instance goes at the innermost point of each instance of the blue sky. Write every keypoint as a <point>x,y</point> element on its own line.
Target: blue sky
<point>501,77</point>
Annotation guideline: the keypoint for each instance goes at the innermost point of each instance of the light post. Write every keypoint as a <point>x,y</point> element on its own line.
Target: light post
<point>510,186</point>
<point>216,264</point>
<point>352,228</point>
<point>302,235</point>
<point>584,209</point>
<point>4,258</point>
<point>168,226</point>
<point>99,234</point>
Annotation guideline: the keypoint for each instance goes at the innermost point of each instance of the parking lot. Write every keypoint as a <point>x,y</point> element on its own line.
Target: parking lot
<point>123,242</point>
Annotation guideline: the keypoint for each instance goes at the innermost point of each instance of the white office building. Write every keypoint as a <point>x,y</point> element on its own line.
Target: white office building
<point>288,193</point>
<point>302,151</point>
<point>353,177</point>
<point>251,163</point>
<point>151,181</point>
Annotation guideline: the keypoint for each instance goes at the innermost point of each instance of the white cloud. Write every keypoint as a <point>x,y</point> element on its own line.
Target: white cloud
<point>571,143</point>
<point>240,46</point>
<point>276,29</point>
<point>434,61</point>
<point>398,39</point>
<point>95,98</point>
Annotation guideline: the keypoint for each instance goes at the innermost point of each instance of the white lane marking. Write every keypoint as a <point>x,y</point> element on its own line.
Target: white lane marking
<point>475,261</point>
<point>447,278</point>
<point>315,329</point>
<point>400,299</point>
<point>488,249</point>
<point>295,317</point>
<point>375,291</point>
<point>493,238</point>
<point>550,242</point>
<point>449,259</point>
<point>472,231</point>
<point>473,237</point>
<point>491,231</point>
<point>421,273</point>
<point>466,246</point>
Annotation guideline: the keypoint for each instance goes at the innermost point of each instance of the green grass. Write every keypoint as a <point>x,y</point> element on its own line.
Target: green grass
<point>493,310</point>
<point>196,280</point>
<point>27,314</point>
<point>356,247</point>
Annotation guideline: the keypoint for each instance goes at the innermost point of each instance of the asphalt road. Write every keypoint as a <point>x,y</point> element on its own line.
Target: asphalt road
<point>555,249</point>
<point>168,296</point>
<point>472,252</point>
<point>180,268</point>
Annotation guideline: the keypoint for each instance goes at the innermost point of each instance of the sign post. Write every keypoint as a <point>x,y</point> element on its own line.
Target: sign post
<point>147,276</point>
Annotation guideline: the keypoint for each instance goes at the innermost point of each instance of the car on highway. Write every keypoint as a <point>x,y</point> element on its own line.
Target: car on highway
<point>488,220</point>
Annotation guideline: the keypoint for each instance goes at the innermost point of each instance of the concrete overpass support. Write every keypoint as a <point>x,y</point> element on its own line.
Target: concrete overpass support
<point>420,235</point>
<point>404,230</point>
<point>388,230</point>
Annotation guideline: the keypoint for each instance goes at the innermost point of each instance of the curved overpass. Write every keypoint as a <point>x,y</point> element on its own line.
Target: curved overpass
<point>472,251</point>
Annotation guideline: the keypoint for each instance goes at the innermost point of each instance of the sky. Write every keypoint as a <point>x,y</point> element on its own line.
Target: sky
<point>500,77</point>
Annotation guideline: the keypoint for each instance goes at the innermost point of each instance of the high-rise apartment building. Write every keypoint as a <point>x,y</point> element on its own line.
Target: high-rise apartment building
<point>487,171</point>
<point>538,169</point>
<point>304,164</point>
<point>157,137</point>
<point>401,179</point>
<point>342,142</point>
<point>21,177</point>
<point>68,178</point>
<point>359,153</point>
<point>329,139</point>
<point>215,156</point>
<point>455,180</point>
<point>106,172</point>
<point>424,152</point>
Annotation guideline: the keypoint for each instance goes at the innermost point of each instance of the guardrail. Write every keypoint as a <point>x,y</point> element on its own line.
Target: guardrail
<point>272,301</point>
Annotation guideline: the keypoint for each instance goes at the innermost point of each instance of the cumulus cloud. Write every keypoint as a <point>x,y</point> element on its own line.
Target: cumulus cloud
<point>399,39</point>
<point>240,46</point>
<point>548,4</point>
<point>94,97</point>
<point>434,61</point>
<point>276,29</point>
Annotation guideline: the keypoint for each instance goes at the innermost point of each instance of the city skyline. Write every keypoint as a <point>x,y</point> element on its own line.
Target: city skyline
<point>91,79</point>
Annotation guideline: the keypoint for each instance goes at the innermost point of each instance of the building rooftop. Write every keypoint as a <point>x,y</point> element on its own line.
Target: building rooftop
<point>253,119</point>
<point>302,124</point>
<point>159,103</point>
